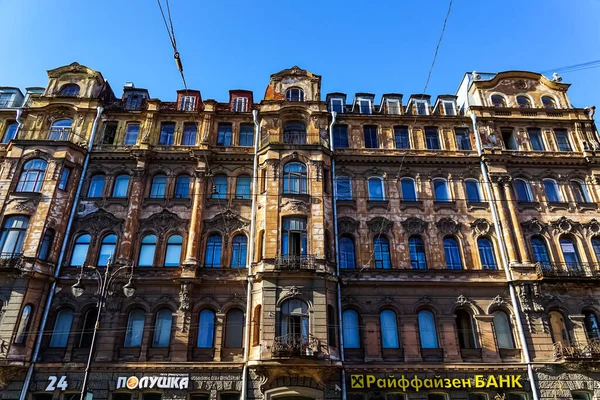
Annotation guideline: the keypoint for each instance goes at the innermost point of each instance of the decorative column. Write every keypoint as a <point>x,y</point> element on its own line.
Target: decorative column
<point>518,232</point>
<point>179,346</point>
<point>132,220</point>
<point>195,231</point>
<point>504,223</point>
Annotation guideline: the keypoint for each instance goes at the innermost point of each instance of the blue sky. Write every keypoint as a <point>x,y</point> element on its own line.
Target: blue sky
<point>376,46</point>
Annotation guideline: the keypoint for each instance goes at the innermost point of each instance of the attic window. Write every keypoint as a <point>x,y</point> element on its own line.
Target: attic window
<point>294,94</point>
<point>187,103</point>
<point>240,104</point>
<point>548,102</point>
<point>449,108</point>
<point>134,102</point>
<point>498,101</point>
<point>364,105</point>
<point>393,106</point>
<point>336,104</point>
<point>523,102</point>
<point>69,90</point>
<point>421,106</point>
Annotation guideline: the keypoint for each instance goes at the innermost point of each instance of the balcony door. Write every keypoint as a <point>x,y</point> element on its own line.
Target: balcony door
<point>294,319</point>
<point>293,240</point>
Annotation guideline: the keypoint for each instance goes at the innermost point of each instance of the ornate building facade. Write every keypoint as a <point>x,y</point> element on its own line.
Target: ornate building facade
<point>303,246</point>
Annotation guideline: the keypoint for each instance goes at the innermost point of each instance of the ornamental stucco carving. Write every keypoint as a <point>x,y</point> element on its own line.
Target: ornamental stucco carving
<point>447,226</point>
<point>379,225</point>
<point>164,222</point>
<point>414,225</point>
<point>481,227</point>
<point>347,225</point>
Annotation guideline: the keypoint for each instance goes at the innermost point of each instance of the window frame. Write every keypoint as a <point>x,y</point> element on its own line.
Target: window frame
<point>477,186</point>
<point>159,332</point>
<point>340,136</point>
<point>553,102</point>
<point>395,339</point>
<point>492,253</point>
<point>60,339</point>
<point>239,250</point>
<point>179,193</point>
<point>37,171</point>
<point>527,188</point>
<point>567,137</point>
<point>494,104</point>
<point>413,183</point>
<point>509,330</point>
<point>158,190</point>
<point>529,104</point>
<point>129,134</point>
<point>224,135</point>
<point>371,132</point>
<point>359,103</point>
<point>332,106</point>
<point>464,144</point>
<point>189,137</point>
<point>135,339</point>
<point>353,329</point>
<point>211,324</point>
<point>399,132</point>
<point>214,249</point>
<point>147,245</point>
<point>444,103</point>
<point>240,104</point>
<point>398,106</point>
<point>417,252</point>
<point>245,135</point>
<point>536,132</point>
<point>446,185</point>
<point>8,237</point>
<point>10,132</point>
<point>243,191</point>
<point>551,183</point>
<point>167,133</point>
<point>289,94</point>
<point>382,256</point>
<point>174,241</point>
<point>347,262</point>
<point>430,137</point>
<point>187,103</point>
<point>345,195</point>
<point>295,178</point>
<point>421,329</point>
<point>452,247</point>
<point>423,103</point>
<point>372,197</point>
<point>65,174</point>
<point>584,192</point>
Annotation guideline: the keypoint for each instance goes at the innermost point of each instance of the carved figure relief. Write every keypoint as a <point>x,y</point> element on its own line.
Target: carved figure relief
<point>380,225</point>
<point>414,225</point>
<point>447,226</point>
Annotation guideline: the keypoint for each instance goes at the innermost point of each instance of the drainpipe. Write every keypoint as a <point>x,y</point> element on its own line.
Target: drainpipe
<point>250,257</point>
<point>503,254</point>
<point>337,250</point>
<point>65,243</point>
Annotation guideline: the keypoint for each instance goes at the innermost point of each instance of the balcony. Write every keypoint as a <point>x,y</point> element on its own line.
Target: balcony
<point>10,261</point>
<point>295,262</point>
<point>577,351</point>
<point>294,140</point>
<point>295,345</point>
<point>577,270</point>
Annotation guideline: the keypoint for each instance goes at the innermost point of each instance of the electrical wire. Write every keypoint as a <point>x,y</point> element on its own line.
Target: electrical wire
<point>573,68</point>
<point>437,47</point>
<point>171,33</point>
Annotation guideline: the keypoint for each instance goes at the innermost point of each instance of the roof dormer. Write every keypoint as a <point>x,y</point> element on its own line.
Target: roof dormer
<point>188,100</point>
<point>75,80</point>
<point>445,104</point>
<point>363,103</point>
<point>134,98</point>
<point>10,97</point>
<point>240,100</point>
<point>336,102</point>
<point>391,104</point>
<point>418,104</point>
<point>294,85</point>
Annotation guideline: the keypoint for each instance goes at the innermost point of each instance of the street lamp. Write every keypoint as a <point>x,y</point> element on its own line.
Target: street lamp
<point>104,282</point>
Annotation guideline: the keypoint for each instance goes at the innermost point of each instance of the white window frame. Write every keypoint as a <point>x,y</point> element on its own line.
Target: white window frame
<point>333,100</point>
<point>360,100</point>
<point>397,103</point>
<point>420,101</point>
<point>444,102</point>
<point>531,102</point>
<point>506,103</point>
<point>300,94</point>
<point>240,104</point>
<point>586,193</point>
<point>554,99</point>
<point>188,103</point>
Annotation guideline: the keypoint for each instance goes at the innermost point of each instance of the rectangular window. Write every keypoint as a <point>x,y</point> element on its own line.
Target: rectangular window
<point>64,178</point>
<point>167,134</point>
<point>190,131</point>
<point>340,136</point>
<point>562,140</point>
<point>131,134</point>
<point>580,396</point>
<point>421,106</point>
<point>401,137</point>
<point>229,396</point>
<point>393,107</point>
<point>535,137</point>
<point>448,108</point>
<point>110,132</point>
<point>364,106</point>
<point>509,139</point>
<point>246,134</point>
<point>240,104</point>
<point>432,139</point>
<point>187,103</point>
<point>371,137</point>
<point>477,396</point>
<point>224,135</point>
<point>463,142</point>
<point>337,105</point>
<point>134,102</point>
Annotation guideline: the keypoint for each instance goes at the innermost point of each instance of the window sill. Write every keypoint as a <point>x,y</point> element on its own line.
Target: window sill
<point>158,353</point>
<point>470,354</point>
<point>26,195</point>
<point>129,353</point>
<point>117,200</point>
<point>203,354</point>
<point>523,205</point>
<point>232,354</point>
<point>477,205</point>
<point>393,354</point>
<point>378,204</point>
<point>347,203</point>
<point>559,205</point>
<point>437,205</point>
<point>586,206</point>
<point>404,204</point>
<point>432,355</point>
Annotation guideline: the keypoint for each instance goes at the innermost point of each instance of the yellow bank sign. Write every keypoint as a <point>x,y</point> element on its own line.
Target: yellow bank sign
<point>416,383</point>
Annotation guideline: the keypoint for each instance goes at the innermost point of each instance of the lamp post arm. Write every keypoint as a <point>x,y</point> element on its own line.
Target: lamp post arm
<point>114,275</point>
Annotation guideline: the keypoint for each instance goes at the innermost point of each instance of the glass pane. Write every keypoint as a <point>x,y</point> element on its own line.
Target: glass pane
<point>239,252</point>
<point>80,250</point>
<point>135,329</point>
<point>62,328</point>
<point>473,194</point>
<point>121,186</point>
<point>401,137</point>
<point>220,187</point>
<point>107,249</point>
<point>389,330</point>
<point>376,189</point>
<point>344,188</point>
<point>442,192</point>
<point>452,253</point>
<point>351,330</point>
<point>189,135</point>
<point>224,135</point>
<point>162,330</point>
<point>522,190</point>
<point>206,329</point>
<point>242,188</point>
<point>96,186</point>
<point>551,190</point>
<point>167,134</point>
<point>147,250</point>
<point>159,185</point>
<point>340,136</point>
<point>246,135</point>
<point>486,254</point>
<point>409,192</point>
<point>234,328</point>
<point>427,330</point>
<point>173,253</point>
<point>213,251</point>
<point>417,253</point>
<point>503,331</point>
<point>182,187</point>
<point>347,257</point>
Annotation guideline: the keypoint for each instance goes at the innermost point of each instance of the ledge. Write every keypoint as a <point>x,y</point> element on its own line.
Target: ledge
<point>437,205</point>
<point>404,204</point>
<point>378,204</point>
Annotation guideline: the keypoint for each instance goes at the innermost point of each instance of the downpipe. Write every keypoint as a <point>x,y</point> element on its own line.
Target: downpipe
<point>503,254</point>
<point>250,258</point>
<point>40,333</point>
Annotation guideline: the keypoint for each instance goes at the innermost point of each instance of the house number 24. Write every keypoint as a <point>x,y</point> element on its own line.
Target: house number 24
<point>55,382</point>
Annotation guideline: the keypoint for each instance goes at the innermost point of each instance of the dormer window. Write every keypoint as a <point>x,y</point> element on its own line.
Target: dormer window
<point>523,102</point>
<point>69,90</point>
<point>449,108</point>
<point>187,103</point>
<point>498,101</point>
<point>134,102</point>
<point>393,106</point>
<point>364,106</point>
<point>240,104</point>
<point>336,104</point>
<point>6,100</point>
<point>421,106</point>
<point>294,94</point>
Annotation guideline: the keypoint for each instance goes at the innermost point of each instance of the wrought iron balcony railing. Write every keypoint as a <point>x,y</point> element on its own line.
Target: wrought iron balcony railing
<point>294,139</point>
<point>294,344</point>
<point>568,270</point>
<point>571,351</point>
<point>288,261</point>
<point>10,260</point>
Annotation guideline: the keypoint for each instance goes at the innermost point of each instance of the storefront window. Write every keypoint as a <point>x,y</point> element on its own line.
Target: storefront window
<point>437,396</point>
<point>121,396</point>
<point>151,396</point>
<point>230,396</point>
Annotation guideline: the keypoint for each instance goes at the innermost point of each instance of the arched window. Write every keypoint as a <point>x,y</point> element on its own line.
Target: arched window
<point>548,102</point>
<point>256,325</point>
<point>343,188</point>
<point>486,253</point>
<point>182,187</point>
<point>551,188</point>
<point>441,189</point>
<point>107,250</point>
<point>540,251</point>
<point>294,94</point>
<point>159,186</point>
<point>416,248</point>
<point>347,254</point>
<point>381,247</point>
<point>135,328</point>
<point>376,188</point>
<point>10,132</point>
<point>162,328</point>
<point>206,330</point>
<point>32,176</point>
<point>351,329</point>
<point>69,90</point>
<point>23,328</point>
<point>498,101</point>
<point>503,330</point>
<point>427,330</point>
<point>242,187</point>
<point>13,235</point>
<point>234,328</point>
<point>523,102</point>
<point>570,253</point>
<point>219,187</point>
<point>558,328</point>
<point>523,190</point>
<point>465,330</point>
<point>80,250</point>
<point>239,251</point>
<point>62,328</point>
<point>596,247</point>
<point>389,330</point>
<point>294,319</point>
<point>452,253</point>
<point>409,189</point>
<point>473,191</point>
<point>580,192</point>
<point>60,129</point>
<point>87,333</point>
<point>214,246</point>
<point>96,186</point>
<point>331,326</point>
<point>147,250</point>
<point>173,253</point>
<point>294,178</point>
<point>121,186</point>
<point>592,328</point>
<point>294,133</point>
<point>47,243</point>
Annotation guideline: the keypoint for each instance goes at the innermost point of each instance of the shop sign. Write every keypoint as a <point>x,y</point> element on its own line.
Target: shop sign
<point>416,383</point>
<point>162,381</point>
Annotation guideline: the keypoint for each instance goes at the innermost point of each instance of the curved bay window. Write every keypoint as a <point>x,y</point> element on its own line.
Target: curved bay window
<point>173,253</point>
<point>293,238</point>
<point>592,328</point>
<point>540,251</point>
<point>347,253</point>
<point>294,178</point>
<point>214,247</point>
<point>452,253</point>
<point>239,251</point>
<point>381,247</point>
<point>206,330</point>
<point>147,250</point>
<point>294,133</point>
<point>32,176</point>
<point>416,248</point>
<point>503,330</point>
<point>466,330</point>
<point>135,328</point>
<point>12,236</point>
<point>486,253</point>
<point>80,250</point>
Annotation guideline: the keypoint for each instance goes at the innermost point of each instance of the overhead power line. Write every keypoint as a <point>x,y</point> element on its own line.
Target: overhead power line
<point>171,33</point>
<point>573,68</point>
<point>437,47</point>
